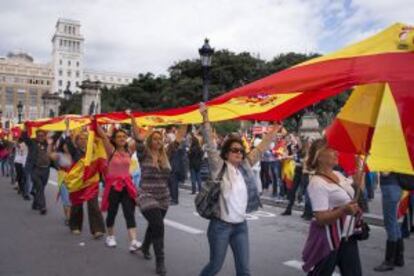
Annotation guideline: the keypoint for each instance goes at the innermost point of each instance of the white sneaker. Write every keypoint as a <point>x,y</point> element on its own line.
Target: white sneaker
<point>110,241</point>
<point>135,245</point>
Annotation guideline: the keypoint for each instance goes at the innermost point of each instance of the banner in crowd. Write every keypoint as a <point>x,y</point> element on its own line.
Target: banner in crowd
<point>383,62</point>
<point>385,57</point>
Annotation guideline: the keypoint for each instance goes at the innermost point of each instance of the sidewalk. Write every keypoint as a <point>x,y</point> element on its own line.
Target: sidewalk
<point>374,217</point>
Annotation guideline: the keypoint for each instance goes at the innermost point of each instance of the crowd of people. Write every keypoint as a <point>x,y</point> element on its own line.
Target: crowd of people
<point>275,164</point>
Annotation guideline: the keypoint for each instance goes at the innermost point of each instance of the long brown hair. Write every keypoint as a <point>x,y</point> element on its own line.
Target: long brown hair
<point>163,161</point>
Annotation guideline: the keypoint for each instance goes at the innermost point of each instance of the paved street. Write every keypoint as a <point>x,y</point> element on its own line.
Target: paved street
<point>42,245</point>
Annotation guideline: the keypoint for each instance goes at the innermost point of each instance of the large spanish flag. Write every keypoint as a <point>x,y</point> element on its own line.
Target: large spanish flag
<point>386,58</point>
<point>377,121</point>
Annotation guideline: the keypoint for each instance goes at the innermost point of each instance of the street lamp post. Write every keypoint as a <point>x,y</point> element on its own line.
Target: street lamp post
<point>206,53</point>
<point>19,111</point>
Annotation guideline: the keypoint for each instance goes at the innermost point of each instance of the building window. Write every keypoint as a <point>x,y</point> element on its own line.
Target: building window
<point>60,82</point>
<point>69,73</point>
<point>9,95</point>
<point>77,74</point>
<point>66,29</point>
<point>77,64</point>
<point>77,84</point>
<point>69,63</point>
<point>60,42</point>
<point>47,82</point>
<point>60,62</point>
<point>60,72</point>
<point>33,97</point>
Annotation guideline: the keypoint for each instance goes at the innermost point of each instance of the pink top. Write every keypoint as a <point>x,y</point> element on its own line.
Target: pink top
<point>118,177</point>
<point>118,166</point>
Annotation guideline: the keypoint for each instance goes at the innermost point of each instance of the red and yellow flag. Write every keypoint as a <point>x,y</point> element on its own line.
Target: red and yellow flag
<point>386,57</point>
<point>82,180</point>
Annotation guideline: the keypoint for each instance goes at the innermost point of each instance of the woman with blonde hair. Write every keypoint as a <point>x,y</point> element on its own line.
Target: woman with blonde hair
<point>332,239</point>
<point>154,197</point>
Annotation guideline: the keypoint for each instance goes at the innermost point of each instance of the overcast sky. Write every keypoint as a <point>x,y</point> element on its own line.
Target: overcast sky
<point>137,36</point>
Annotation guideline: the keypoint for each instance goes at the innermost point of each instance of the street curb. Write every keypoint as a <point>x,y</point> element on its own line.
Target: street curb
<point>371,219</point>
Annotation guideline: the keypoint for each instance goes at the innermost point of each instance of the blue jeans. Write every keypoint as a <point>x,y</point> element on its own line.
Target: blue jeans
<point>28,183</point>
<point>195,179</point>
<point>220,234</point>
<point>391,194</point>
<point>276,169</point>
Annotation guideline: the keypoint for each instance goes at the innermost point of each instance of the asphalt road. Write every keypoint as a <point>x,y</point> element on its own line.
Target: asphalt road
<point>33,245</point>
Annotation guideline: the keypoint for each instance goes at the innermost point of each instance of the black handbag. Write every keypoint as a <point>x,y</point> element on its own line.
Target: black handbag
<point>362,231</point>
<point>207,201</point>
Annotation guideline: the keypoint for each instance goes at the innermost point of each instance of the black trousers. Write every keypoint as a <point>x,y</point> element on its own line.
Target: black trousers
<point>155,228</point>
<point>20,177</point>
<point>96,222</point>
<point>40,177</point>
<point>173,184</point>
<point>128,208</point>
<point>265,174</point>
<point>297,182</point>
<point>346,258</point>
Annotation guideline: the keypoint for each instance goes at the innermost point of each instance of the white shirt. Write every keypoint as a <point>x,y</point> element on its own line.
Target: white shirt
<point>234,195</point>
<point>21,154</point>
<point>326,196</point>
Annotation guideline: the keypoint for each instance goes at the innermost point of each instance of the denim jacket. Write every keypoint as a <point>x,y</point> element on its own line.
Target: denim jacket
<point>216,163</point>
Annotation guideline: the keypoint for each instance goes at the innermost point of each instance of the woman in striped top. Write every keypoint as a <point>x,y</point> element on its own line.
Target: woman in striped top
<point>154,197</point>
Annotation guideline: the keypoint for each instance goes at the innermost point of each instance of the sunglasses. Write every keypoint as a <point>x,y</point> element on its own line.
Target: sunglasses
<point>237,150</point>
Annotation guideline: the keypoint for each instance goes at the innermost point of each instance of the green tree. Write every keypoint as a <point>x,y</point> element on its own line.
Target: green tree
<point>71,106</point>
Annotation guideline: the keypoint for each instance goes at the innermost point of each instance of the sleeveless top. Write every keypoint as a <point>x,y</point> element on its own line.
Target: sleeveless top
<point>154,191</point>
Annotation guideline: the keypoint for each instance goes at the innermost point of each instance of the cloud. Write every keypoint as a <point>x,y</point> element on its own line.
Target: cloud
<point>150,35</point>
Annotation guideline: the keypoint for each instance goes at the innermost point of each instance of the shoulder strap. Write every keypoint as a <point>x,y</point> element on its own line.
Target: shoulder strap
<point>334,181</point>
<point>222,171</point>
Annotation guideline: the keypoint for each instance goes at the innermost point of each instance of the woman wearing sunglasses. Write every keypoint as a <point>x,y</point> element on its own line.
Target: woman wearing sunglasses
<point>239,196</point>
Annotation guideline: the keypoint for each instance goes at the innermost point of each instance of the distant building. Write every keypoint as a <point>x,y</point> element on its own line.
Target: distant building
<point>67,56</point>
<point>22,80</point>
<point>68,61</point>
<point>109,79</point>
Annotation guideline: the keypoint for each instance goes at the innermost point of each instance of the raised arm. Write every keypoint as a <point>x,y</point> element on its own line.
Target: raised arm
<point>25,137</point>
<point>135,128</point>
<point>109,148</point>
<point>255,155</point>
<point>214,160</point>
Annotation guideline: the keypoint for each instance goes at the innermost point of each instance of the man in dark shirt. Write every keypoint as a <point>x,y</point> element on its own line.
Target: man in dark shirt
<point>38,159</point>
